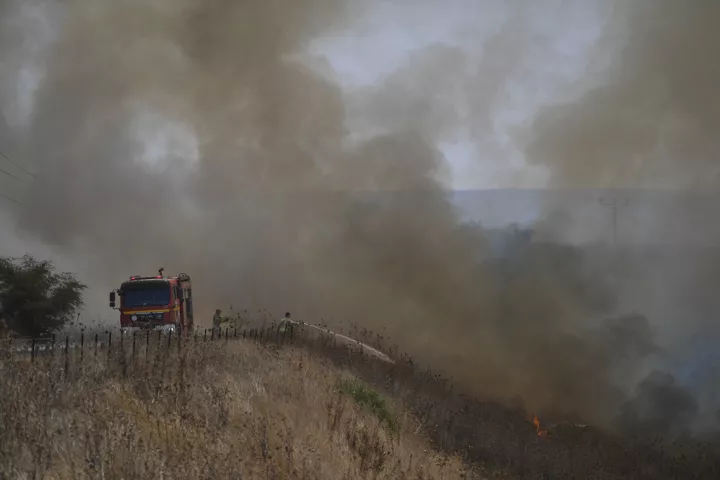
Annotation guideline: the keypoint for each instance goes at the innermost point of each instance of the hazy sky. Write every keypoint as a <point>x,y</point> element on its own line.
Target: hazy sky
<point>552,44</point>
<point>554,40</point>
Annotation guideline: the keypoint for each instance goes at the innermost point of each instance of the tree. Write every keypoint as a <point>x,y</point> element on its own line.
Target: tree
<point>35,301</point>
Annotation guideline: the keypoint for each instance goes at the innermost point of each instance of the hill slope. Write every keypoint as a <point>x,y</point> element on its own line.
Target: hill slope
<point>235,410</point>
<point>266,406</point>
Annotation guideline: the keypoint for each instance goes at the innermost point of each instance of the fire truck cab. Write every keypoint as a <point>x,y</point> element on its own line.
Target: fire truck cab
<point>156,303</point>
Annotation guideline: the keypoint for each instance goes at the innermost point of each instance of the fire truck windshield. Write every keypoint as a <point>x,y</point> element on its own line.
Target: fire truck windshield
<point>145,294</point>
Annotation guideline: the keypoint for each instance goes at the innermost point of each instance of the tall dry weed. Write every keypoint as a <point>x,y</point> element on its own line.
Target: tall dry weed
<point>207,410</point>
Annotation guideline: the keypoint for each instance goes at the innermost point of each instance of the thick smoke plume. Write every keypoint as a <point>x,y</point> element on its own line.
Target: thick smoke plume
<point>285,210</point>
<point>651,122</point>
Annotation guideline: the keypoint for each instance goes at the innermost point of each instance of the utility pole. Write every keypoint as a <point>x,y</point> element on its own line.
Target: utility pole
<point>614,204</point>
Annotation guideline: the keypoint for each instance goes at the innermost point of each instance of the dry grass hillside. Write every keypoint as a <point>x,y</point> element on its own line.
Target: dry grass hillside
<point>214,410</point>
<point>278,408</point>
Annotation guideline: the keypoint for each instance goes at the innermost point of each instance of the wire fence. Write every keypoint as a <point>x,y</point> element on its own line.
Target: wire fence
<point>86,346</point>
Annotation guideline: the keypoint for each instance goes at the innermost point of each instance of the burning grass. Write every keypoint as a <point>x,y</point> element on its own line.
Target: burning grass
<point>499,438</point>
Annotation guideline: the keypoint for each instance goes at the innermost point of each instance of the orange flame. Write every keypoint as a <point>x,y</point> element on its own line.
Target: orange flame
<point>536,422</point>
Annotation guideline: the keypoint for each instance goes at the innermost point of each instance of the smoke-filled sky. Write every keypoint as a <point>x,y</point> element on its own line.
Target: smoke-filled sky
<point>297,156</point>
<point>506,70</point>
<point>386,37</point>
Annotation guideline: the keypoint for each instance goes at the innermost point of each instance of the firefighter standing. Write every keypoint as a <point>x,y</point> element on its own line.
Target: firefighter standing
<point>286,324</point>
<point>217,319</point>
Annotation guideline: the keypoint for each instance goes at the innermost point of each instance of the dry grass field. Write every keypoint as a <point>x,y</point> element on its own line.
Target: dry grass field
<point>215,410</point>
<point>308,409</point>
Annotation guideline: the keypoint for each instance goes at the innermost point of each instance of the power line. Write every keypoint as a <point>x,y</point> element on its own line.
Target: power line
<point>11,175</point>
<point>10,199</point>
<point>16,164</point>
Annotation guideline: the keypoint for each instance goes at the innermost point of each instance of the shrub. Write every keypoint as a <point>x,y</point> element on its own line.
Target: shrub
<point>371,400</point>
<point>35,301</point>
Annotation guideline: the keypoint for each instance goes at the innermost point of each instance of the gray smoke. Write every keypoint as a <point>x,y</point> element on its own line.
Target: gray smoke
<point>652,121</point>
<point>660,407</point>
<point>649,120</point>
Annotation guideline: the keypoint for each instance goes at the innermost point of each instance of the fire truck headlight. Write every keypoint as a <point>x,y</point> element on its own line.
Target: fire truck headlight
<point>134,318</point>
<point>159,316</point>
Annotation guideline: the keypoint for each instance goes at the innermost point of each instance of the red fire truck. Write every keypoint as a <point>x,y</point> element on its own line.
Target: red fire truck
<point>157,303</point>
